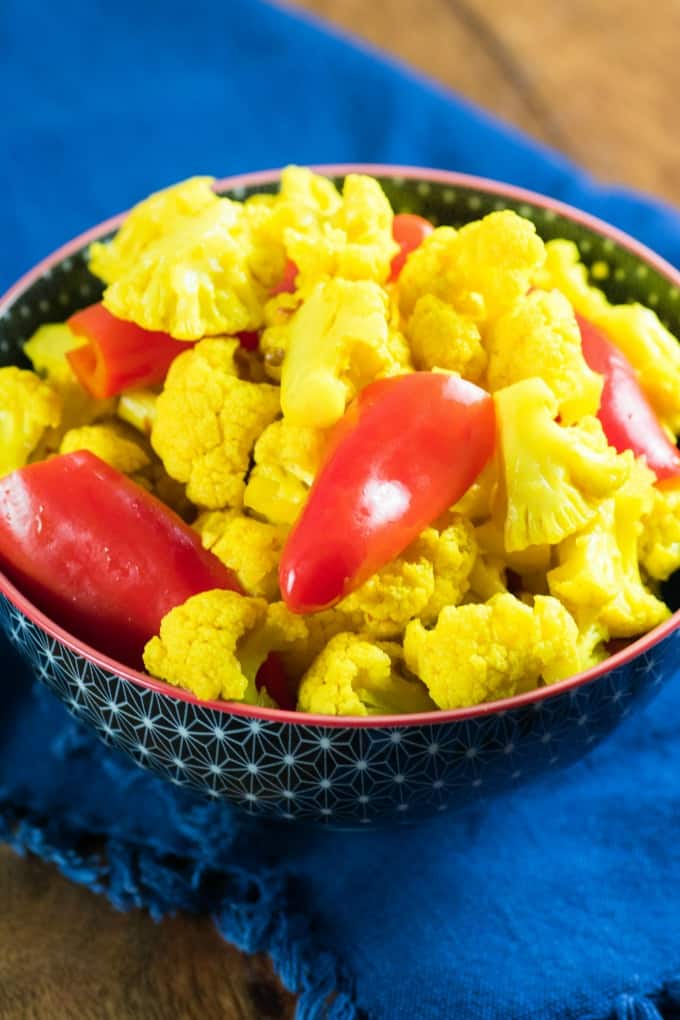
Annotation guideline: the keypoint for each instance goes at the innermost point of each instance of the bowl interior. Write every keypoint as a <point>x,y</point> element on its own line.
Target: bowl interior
<point>623,274</point>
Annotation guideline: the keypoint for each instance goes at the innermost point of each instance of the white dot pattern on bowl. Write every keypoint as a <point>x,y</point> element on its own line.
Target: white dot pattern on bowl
<point>350,776</point>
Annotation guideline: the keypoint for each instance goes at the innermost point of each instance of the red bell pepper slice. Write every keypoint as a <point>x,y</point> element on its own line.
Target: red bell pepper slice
<point>119,355</point>
<point>99,554</point>
<point>628,420</point>
<point>405,451</point>
<point>286,284</point>
<point>409,231</point>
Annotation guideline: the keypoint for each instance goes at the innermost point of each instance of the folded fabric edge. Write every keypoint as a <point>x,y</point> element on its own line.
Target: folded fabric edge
<point>252,911</point>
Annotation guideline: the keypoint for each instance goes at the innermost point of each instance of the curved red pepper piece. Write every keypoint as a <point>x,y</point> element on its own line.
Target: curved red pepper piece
<point>99,554</point>
<point>286,284</point>
<point>409,231</point>
<point>628,420</point>
<point>405,451</point>
<point>119,355</point>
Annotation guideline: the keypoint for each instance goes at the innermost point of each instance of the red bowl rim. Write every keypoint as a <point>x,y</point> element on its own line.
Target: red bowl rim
<point>142,680</point>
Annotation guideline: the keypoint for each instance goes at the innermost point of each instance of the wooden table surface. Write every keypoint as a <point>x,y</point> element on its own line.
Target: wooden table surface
<point>597,79</point>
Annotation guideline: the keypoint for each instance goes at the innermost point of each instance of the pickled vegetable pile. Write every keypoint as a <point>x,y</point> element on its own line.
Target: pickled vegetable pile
<point>308,453</point>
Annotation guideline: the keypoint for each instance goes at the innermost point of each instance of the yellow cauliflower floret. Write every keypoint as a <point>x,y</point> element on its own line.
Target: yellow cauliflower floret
<point>477,503</point>
<point>452,552</point>
<point>337,343</point>
<point>554,476</point>
<point>274,337</point>
<point>299,639</point>
<point>248,547</point>
<point>149,221</point>
<point>482,652</point>
<point>441,337</point>
<point>305,201</point>
<point>355,242</point>
<point>28,408</point>
<point>207,422</point>
<point>111,442</point>
<point>287,458</point>
<point>353,676</point>
<point>487,577</point>
<point>659,544</point>
<point>434,571</point>
<point>539,336</point>
<point>199,647</point>
<point>395,594</point>
<point>480,270</point>
<point>636,330</point>
<point>194,280</point>
<point>138,408</point>
<point>528,563</point>
<point>426,270</point>
<point>598,572</point>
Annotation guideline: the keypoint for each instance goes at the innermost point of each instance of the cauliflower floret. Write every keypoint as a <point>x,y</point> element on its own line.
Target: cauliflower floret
<point>352,676</point>
<point>337,343</point>
<point>287,457</point>
<point>111,442</point>
<point>149,221</point>
<point>355,242</point>
<point>481,270</point>
<point>659,544</point>
<point>199,647</point>
<point>28,408</point>
<point>598,572</point>
<point>274,337</point>
<point>250,548</point>
<point>484,652</point>
<point>195,280</point>
<point>47,350</point>
<point>441,337</point>
<point>636,330</point>
<point>477,503</point>
<point>434,571</point>
<point>299,639</point>
<point>539,336</point>
<point>395,594</point>
<point>207,421</point>
<point>554,476</point>
<point>527,562</point>
<point>138,408</point>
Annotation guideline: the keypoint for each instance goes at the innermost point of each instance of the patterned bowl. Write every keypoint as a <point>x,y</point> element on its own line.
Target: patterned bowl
<point>347,772</point>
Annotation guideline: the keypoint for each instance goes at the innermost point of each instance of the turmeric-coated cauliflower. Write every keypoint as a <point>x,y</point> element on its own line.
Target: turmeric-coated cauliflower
<point>112,442</point>
<point>441,337</point>
<point>636,330</point>
<point>659,543</point>
<point>539,336</point>
<point>199,647</point>
<point>482,652</point>
<point>29,407</point>
<point>353,676</point>
<point>354,242</point>
<point>287,458</point>
<point>480,270</point>
<point>554,476</point>
<point>337,343</point>
<point>207,422</point>
<point>250,548</point>
<point>598,572</point>
<point>149,221</point>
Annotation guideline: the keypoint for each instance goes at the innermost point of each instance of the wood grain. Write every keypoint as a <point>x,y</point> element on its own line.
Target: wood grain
<point>598,80</point>
<point>65,954</point>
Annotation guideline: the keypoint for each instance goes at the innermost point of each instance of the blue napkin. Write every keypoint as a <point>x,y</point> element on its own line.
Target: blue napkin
<point>557,902</point>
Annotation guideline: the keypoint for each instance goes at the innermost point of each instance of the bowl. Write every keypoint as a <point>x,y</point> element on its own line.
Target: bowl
<point>347,772</point>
